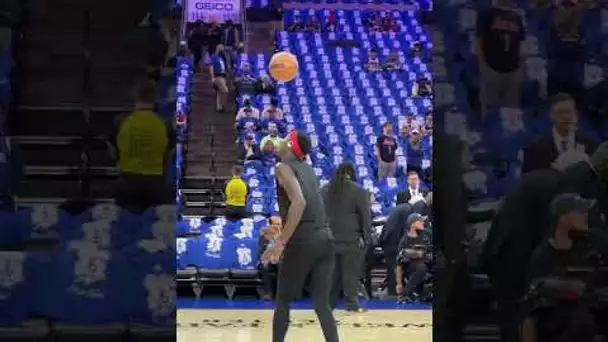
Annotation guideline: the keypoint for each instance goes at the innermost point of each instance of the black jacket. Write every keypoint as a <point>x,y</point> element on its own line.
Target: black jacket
<point>539,154</point>
<point>405,196</point>
<point>349,216</point>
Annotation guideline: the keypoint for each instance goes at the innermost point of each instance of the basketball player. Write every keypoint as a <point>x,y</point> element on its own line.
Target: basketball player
<point>306,245</point>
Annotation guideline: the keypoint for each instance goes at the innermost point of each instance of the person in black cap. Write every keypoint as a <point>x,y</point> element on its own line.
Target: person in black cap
<point>567,246</point>
<point>411,260</point>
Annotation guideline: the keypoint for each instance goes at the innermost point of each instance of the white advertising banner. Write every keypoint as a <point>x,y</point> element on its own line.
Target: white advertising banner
<point>218,11</point>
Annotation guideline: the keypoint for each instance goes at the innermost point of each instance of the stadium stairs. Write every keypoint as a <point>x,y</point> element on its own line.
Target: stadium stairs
<point>80,62</point>
<point>211,150</point>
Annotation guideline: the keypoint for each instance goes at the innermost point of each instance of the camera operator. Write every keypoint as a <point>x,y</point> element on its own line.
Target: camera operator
<point>569,246</point>
<point>517,229</point>
<point>412,259</point>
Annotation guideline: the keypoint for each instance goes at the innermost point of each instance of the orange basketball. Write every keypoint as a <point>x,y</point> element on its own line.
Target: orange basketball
<point>284,66</point>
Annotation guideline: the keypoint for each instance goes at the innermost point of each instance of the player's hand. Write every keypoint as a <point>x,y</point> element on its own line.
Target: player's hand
<point>273,254</point>
<point>399,289</point>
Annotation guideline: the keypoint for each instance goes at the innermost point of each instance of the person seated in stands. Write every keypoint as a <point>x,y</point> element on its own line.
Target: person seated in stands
<point>237,191</point>
<point>245,82</point>
<point>268,271</point>
<point>248,111</point>
<point>373,64</point>
<point>404,130</point>
<point>427,128</point>
<point>143,143</point>
<point>389,24</point>
<point>412,257</point>
<point>332,22</point>
<point>273,112</point>
<point>270,143</point>
<point>313,25</point>
<point>422,87</point>
<point>373,23</point>
<point>393,63</point>
<point>417,49</point>
<point>248,149</point>
<point>265,86</point>
<point>296,26</point>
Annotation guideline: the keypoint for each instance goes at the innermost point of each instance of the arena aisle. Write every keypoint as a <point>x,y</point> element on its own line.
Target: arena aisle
<point>218,320</point>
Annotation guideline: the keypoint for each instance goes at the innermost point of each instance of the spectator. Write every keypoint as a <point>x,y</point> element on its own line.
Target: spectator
<point>373,64</point>
<point>386,146</point>
<point>414,192</point>
<point>196,40</point>
<point>245,82</point>
<point>393,63</point>
<point>231,38</point>
<point>566,53</point>
<point>411,260</point>
<point>214,37</point>
<point>296,26</point>
<point>541,153</point>
<point>373,23</point>
<point>348,208</point>
<point>265,86</point>
<point>417,50</point>
<point>143,143</point>
<point>392,232</point>
<point>423,87</point>
<point>414,151</point>
<point>248,150</point>
<point>236,195</point>
<point>272,112</point>
<point>389,24</point>
<point>218,71</point>
<point>313,25</point>
<point>270,143</point>
<point>428,122</point>
<point>332,22</point>
<point>268,271</point>
<point>404,130</point>
<point>500,32</point>
<point>248,111</point>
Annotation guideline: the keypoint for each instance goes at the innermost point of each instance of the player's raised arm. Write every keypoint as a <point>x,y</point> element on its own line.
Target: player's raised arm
<point>288,181</point>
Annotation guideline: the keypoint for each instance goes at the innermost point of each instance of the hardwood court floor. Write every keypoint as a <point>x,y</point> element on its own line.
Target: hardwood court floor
<point>201,325</point>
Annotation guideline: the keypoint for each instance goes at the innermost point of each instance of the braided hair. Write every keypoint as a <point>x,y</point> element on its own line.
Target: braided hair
<point>344,174</point>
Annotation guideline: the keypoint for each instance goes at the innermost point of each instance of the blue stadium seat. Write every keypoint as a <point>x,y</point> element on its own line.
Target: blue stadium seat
<point>340,105</point>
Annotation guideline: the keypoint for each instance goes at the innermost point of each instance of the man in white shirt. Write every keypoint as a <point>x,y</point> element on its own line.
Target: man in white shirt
<point>414,193</point>
<point>272,112</point>
<point>564,136</point>
<point>248,111</point>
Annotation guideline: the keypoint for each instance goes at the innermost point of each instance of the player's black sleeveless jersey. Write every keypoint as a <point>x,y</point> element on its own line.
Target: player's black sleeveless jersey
<point>313,218</point>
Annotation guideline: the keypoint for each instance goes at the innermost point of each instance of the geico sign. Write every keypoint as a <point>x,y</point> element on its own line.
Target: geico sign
<point>213,6</point>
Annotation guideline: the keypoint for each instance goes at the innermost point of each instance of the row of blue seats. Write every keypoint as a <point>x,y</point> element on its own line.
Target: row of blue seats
<point>80,283</point>
<point>181,111</point>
